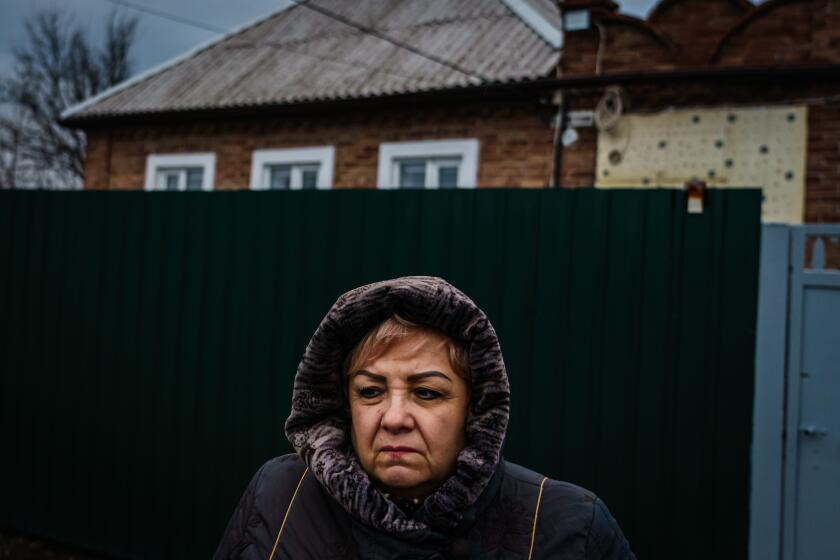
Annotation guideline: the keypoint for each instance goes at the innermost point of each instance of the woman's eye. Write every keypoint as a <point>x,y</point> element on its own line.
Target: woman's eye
<point>426,394</point>
<point>369,392</point>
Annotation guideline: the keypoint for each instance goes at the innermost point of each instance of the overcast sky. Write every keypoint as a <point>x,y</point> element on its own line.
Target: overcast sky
<point>159,39</point>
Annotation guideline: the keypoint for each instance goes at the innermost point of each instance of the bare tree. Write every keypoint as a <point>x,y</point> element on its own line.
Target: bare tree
<point>58,67</point>
<point>11,136</point>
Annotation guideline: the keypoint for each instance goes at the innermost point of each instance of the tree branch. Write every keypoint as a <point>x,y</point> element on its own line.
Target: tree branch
<point>57,67</point>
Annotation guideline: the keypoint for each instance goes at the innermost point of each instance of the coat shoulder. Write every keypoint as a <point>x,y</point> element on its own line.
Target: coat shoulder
<point>569,517</point>
<point>265,498</point>
<point>561,502</point>
<point>274,485</point>
<point>280,472</point>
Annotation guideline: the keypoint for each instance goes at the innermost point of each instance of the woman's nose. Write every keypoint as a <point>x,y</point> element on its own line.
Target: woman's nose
<point>397,416</point>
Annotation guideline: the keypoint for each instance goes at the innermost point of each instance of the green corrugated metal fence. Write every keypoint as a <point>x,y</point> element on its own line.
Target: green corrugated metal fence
<point>149,342</point>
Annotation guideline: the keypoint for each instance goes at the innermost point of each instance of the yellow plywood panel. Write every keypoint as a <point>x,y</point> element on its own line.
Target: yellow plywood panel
<point>726,147</point>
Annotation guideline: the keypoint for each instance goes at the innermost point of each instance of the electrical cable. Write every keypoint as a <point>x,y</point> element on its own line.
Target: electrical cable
<point>387,38</point>
<point>166,15</point>
<point>610,108</point>
<point>354,65</point>
<point>255,44</point>
<point>602,43</point>
<point>474,77</point>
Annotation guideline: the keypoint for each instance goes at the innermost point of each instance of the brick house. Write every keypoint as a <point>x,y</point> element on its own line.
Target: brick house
<point>386,93</point>
<point>312,96</point>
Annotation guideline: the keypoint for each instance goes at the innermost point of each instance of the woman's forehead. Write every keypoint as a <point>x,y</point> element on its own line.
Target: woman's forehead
<point>416,350</point>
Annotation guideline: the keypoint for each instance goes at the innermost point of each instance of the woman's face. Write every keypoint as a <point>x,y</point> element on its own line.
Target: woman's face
<point>408,409</point>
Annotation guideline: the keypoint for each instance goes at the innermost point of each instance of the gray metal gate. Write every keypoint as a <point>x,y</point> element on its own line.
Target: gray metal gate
<point>795,503</point>
<point>812,450</point>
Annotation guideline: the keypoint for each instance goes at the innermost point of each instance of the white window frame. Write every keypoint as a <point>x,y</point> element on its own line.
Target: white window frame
<point>205,160</point>
<point>322,155</point>
<point>390,153</point>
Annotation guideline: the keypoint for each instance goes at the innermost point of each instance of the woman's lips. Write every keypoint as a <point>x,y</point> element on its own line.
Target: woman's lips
<point>397,449</point>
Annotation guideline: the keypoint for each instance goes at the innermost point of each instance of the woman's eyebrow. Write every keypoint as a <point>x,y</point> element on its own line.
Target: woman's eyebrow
<point>424,374</point>
<point>380,378</point>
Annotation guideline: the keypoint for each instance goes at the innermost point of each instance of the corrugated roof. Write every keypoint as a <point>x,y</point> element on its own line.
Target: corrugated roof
<point>302,55</point>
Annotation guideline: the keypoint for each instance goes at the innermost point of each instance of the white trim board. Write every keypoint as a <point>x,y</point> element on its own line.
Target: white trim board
<point>535,20</point>
<point>323,155</point>
<point>467,149</point>
<point>72,110</point>
<point>207,160</point>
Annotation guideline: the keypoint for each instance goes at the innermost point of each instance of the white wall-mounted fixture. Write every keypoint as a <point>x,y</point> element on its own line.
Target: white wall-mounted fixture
<point>581,119</point>
<point>576,20</point>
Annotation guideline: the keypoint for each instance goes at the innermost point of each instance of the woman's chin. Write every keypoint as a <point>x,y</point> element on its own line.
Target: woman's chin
<point>399,477</point>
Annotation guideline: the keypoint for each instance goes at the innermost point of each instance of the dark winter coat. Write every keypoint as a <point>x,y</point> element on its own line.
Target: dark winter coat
<point>320,503</point>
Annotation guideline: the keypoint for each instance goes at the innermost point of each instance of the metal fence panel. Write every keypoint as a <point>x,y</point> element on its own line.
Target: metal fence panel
<point>149,342</point>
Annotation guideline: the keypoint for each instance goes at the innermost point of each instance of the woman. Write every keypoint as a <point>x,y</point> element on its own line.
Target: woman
<point>399,412</point>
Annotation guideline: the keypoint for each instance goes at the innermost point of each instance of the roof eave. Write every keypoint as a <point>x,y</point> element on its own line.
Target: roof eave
<point>498,90</point>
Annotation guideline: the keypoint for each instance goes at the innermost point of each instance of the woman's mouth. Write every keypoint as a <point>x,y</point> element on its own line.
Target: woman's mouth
<point>397,449</point>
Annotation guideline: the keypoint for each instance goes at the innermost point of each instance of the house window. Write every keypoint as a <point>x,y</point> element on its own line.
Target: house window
<point>439,164</point>
<point>180,172</point>
<point>426,173</point>
<point>293,169</point>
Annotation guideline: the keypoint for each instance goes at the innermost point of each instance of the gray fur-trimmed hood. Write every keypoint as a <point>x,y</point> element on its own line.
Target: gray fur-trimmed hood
<point>318,426</point>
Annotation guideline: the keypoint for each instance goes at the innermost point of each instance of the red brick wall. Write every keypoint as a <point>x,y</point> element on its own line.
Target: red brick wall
<point>786,32</point>
<point>631,45</point>
<point>628,45</point>
<point>515,142</point>
<point>697,26</point>
<point>823,180</point>
<point>711,34</point>
<point>578,162</point>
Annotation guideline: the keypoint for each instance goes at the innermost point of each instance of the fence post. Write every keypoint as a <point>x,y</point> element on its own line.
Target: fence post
<point>768,410</point>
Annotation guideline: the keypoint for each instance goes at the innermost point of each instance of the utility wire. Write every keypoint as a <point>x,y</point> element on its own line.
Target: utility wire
<point>387,38</point>
<point>253,44</point>
<point>166,15</point>
<point>475,77</point>
<point>354,65</point>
